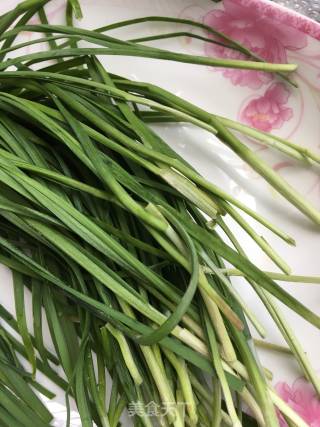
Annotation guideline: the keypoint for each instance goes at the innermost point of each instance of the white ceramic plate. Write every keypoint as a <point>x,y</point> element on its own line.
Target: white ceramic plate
<point>258,99</point>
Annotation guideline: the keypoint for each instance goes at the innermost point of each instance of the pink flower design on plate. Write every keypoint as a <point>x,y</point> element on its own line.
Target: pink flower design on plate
<point>268,111</point>
<point>302,398</point>
<point>262,35</point>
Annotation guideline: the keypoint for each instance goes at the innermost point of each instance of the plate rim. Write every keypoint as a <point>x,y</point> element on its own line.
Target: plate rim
<point>287,16</point>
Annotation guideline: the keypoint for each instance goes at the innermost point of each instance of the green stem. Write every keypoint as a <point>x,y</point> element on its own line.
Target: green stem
<point>216,404</point>
<point>267,249</point>
<point>274,347</point>
<point>251,316</point>
<point>287,410</point>
<point>287,147</point>
<point>290,338</point>
<point>182,372</point>
<point>221,374</point>
<point>126,353</point>
<point>133,51</point>
<point>277,276</point>
<point>177,34</point>
<point>274,179</point>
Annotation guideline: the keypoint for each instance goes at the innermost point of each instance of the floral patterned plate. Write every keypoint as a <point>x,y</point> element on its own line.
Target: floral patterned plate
<point>255,98</point>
